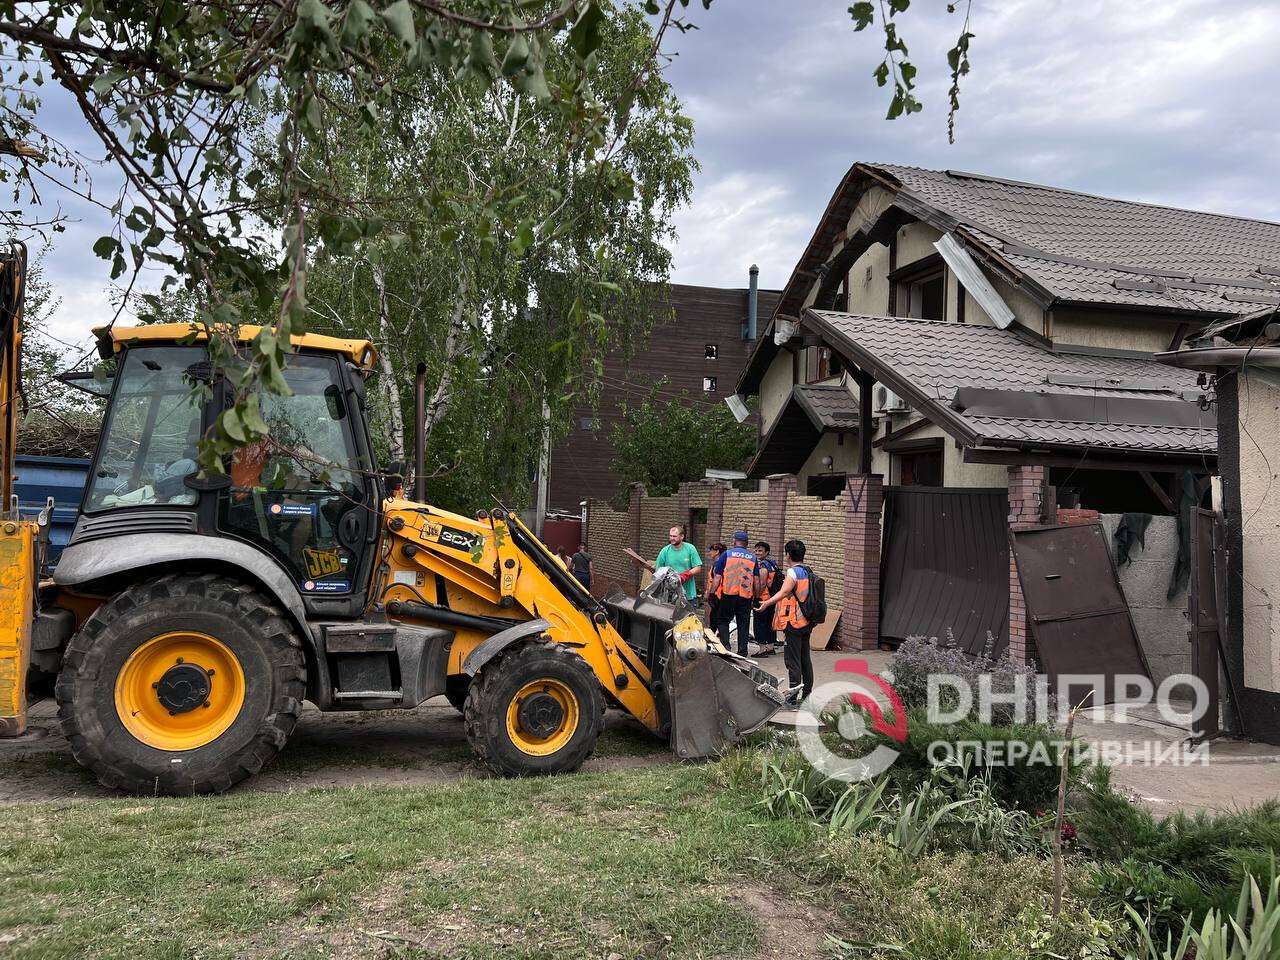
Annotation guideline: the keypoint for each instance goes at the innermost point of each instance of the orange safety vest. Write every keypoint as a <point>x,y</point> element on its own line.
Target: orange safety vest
<point>787,613</point>
<point>738,579</point>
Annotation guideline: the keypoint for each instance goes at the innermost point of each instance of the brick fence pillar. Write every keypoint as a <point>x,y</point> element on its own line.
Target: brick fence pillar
<point>636,497</point>
<point>715,516</point>
<point>1027,489</point>
<point>682,503</point>
<point>780,485</point>
<point>860,620</point>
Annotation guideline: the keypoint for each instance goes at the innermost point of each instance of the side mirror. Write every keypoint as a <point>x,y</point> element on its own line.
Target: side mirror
<point>394,475</point>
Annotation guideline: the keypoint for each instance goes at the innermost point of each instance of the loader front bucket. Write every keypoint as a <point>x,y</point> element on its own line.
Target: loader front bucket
<point>708,697</point>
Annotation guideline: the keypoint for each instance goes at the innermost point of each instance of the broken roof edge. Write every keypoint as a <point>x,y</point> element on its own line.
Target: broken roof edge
<point>857,356</point>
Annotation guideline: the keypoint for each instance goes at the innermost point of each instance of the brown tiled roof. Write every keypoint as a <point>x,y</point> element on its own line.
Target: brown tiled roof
<point>830,405</point>
<point>1087,248</point>
<point>810,411</point>
<point>928,361</point>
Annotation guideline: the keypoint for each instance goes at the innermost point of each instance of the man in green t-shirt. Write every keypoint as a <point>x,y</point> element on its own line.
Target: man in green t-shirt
<point>683,558</point>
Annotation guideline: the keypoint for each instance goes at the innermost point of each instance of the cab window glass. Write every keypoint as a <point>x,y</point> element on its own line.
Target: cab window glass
<point>149,441</point>
<point>291,491</point>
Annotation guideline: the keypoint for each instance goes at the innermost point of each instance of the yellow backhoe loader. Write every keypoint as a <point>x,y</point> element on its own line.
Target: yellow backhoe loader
<point>190,616</point>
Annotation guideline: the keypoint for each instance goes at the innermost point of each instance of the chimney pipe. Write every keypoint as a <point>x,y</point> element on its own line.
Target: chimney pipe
<point>752,302</point>
<point>420,435</point>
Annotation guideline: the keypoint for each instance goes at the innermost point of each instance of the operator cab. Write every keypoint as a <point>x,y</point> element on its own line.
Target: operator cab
<point>305,496</point>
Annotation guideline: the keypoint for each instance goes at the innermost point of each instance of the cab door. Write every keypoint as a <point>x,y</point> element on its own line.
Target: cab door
<point>305,494</point>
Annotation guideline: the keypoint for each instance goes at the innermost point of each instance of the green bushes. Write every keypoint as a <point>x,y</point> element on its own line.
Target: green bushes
<point>950,809</point>
<point>1179,866</point>
<point>1252,932</point>
<point>1019,760</point>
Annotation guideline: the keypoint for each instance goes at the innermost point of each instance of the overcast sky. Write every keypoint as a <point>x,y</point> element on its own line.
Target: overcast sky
<point>1168,101</point>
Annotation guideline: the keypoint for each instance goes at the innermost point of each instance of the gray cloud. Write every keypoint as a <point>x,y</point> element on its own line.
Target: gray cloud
<point>1156,101</point>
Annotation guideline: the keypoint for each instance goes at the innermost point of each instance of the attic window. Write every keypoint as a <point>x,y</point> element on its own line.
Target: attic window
<point>920,289</point>
<point>712,352</point>
<point>926,297</point>
<point>708,384</point>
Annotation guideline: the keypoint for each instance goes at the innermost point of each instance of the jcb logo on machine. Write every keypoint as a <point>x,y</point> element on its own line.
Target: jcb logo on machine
<point>453,537</point>
<point>321,563</point>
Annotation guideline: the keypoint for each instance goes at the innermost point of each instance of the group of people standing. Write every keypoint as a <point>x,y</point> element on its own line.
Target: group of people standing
<point>746,588</point>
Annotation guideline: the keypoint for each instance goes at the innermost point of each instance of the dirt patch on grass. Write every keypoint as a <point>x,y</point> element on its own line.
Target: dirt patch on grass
<point>789,928</point>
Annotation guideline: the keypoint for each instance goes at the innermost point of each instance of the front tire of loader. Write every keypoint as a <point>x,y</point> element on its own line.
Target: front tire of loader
<point>184,684</point>
<point>456,689</point>
<point>536,711</point>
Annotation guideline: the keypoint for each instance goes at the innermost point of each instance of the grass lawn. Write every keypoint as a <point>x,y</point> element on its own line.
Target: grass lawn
<point>656,861</point>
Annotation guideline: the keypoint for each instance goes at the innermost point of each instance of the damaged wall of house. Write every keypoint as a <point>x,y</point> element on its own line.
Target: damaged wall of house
<point>1160,620</point>
<point>775,387</point>
<point>1115,331</point>
<point>1028,312</point>
<point>1259,445</point>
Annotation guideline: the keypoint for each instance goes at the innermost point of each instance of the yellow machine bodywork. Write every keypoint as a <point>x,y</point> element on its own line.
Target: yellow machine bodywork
<point>17,536</point>
<point>486,574</point>
<point>17,602</point>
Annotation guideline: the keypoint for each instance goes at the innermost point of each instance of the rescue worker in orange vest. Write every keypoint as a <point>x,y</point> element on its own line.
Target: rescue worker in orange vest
<point>790,618</point>
<point>736,576</point>
<point>713,596</point>
<point>762,623</point>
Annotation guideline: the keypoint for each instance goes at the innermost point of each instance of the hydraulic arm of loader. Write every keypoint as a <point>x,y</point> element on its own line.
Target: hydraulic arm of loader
<point>440,566</point>
<point>445,568</point>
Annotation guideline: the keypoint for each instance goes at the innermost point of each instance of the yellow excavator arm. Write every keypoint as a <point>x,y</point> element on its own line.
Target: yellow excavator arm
<point>438,563</point>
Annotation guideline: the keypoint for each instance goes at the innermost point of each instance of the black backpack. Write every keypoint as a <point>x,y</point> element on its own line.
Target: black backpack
<point>814,606</point>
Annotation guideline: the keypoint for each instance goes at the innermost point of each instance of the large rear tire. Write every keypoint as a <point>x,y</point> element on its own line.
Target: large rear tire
<point>185,684</point>
<point>535,711</point>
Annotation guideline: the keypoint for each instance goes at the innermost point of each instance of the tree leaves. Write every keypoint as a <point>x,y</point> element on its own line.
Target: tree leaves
<point>399,19</point>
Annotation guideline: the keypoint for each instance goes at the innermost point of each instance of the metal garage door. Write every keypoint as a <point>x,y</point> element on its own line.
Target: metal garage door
<point>1078,614</point>
<point>946,565</point>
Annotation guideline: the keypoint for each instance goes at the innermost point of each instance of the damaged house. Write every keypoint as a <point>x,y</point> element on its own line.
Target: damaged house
<point>962,358</point>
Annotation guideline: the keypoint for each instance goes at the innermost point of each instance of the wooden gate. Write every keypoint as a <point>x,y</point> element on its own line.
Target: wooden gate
<point>945,565</point>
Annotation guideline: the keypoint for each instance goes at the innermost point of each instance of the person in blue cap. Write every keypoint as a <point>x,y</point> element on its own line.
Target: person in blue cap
<point>737,578</point>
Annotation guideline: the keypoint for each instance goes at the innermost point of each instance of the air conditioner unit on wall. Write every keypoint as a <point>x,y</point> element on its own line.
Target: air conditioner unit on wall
<point>885,400</point>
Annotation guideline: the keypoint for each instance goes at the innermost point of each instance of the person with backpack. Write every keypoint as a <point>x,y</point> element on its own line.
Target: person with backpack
<point>800,605</point>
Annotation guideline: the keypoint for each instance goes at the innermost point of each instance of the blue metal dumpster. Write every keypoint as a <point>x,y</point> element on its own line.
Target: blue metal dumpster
<point>62,478</point>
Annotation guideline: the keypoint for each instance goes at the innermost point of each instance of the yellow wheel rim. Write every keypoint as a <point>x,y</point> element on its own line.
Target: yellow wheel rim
<point>180,691</point>
<point>542,717</point>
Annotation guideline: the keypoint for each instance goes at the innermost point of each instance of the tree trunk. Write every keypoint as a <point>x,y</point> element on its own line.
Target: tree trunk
<point>454,343</point>
<point>390,384</point>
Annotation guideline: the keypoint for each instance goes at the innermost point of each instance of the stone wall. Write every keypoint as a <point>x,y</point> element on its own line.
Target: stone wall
<point>1161,623</point>
<point>821,525</point>
<point>749,512</point>
<point>608,531</point>
<point>657,516</point>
